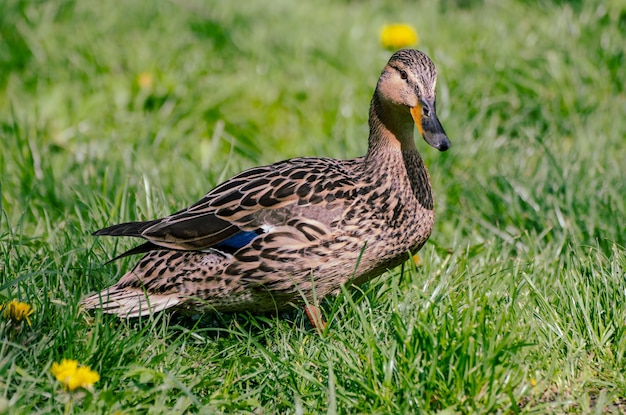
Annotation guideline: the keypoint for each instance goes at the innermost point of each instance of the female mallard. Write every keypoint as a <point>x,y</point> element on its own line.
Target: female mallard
<point>295,231</point>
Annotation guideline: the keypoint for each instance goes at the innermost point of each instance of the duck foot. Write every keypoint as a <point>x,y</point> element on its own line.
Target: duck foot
<point>314,314</point>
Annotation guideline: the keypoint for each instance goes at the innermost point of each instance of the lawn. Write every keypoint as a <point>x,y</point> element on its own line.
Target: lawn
<point>120,111</point>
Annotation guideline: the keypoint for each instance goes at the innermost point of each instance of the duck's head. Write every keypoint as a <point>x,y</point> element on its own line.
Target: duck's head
<point>405,90</point>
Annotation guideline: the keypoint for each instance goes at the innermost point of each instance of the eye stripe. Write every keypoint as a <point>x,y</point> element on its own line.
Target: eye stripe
<point>402,72</point>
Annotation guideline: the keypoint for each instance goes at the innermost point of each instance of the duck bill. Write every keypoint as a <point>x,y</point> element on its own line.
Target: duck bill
<point>430,128</point>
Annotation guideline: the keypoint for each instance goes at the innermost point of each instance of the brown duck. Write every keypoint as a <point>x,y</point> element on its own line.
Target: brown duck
<point>293,232</point>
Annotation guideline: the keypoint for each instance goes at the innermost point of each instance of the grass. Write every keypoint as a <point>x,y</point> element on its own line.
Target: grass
<point>118,112</point>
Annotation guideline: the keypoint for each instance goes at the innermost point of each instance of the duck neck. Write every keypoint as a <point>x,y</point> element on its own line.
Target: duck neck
<point>390,128</point>
<point>392,151</point>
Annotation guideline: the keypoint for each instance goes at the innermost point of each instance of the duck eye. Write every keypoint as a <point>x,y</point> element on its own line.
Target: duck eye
<point>403,74</point>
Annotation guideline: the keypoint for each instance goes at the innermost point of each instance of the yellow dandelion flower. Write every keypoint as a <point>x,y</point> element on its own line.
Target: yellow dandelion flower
<point>145,80</point>
<point>73,376</point>
<point>17,311</point>
<point>417,260</point>
<point>397,36</point>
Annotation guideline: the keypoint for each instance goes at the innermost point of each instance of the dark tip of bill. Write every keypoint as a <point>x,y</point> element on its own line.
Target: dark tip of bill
<point>444,145</point>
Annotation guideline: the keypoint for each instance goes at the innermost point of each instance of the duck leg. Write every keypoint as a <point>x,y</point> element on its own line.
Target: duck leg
<point>314,314</point>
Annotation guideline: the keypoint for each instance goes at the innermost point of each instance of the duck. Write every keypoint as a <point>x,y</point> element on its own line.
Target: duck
<point>291,233</point>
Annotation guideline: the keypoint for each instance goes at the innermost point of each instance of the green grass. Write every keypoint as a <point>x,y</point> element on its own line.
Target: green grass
<point>520,304</point>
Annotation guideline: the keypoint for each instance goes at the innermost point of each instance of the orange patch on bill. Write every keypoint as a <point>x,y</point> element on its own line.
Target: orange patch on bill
<point>416,113</point>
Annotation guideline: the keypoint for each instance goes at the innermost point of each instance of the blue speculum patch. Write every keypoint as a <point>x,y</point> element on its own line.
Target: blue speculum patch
<point>238,240</point>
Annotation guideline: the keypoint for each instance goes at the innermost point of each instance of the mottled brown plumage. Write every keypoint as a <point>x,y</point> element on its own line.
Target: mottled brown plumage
<point>296,230</point>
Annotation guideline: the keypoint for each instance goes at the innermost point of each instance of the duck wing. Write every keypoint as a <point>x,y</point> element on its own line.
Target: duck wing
<point>251,203</point>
